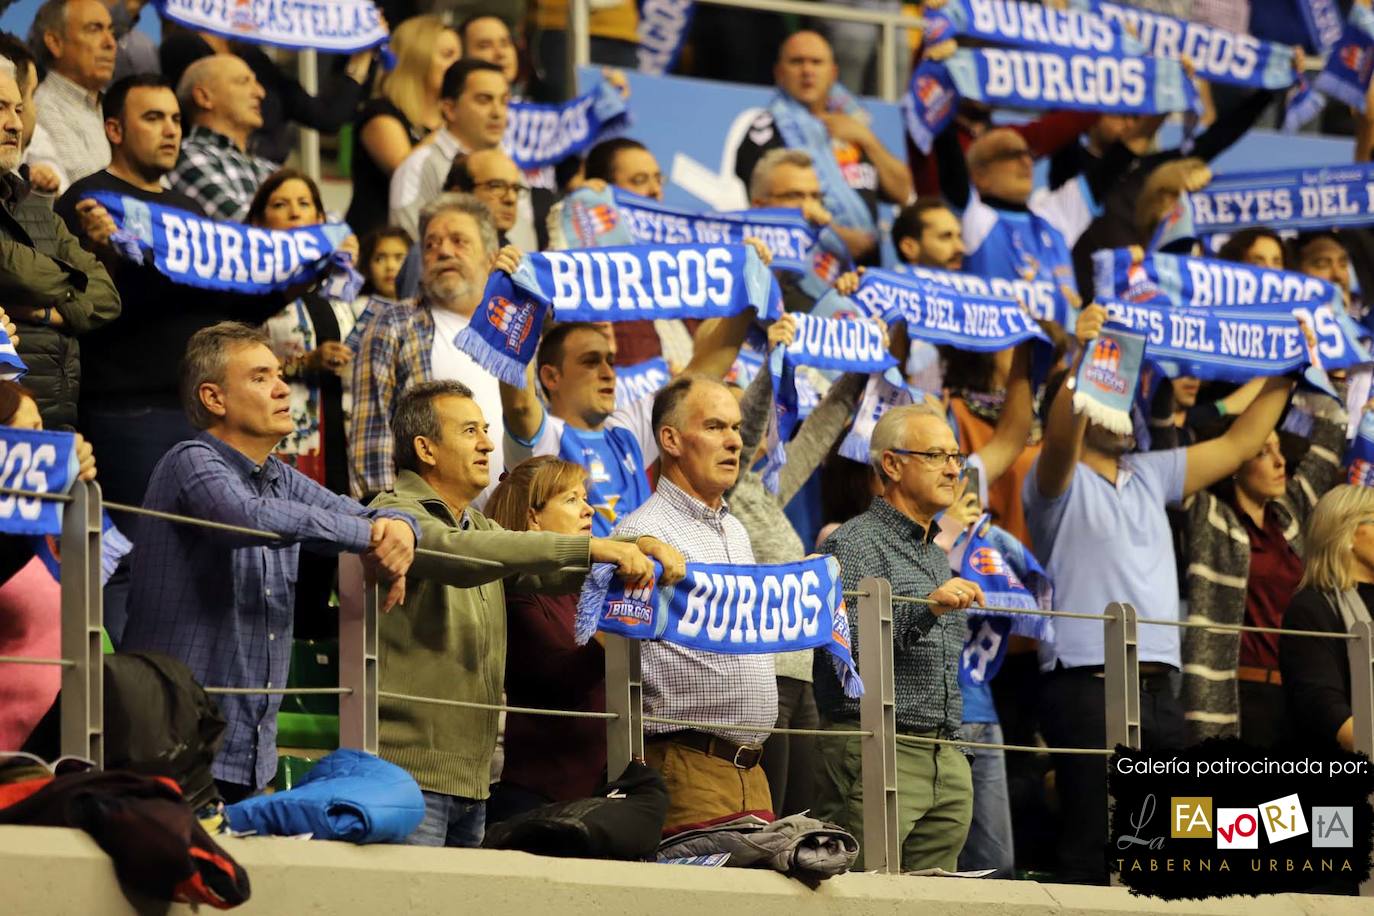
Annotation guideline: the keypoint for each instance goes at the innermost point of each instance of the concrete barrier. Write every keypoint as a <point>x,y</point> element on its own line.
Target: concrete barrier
<point>50,871</point>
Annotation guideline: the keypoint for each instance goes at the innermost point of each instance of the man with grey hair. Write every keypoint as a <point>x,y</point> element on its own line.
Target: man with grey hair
<point>785,177</point>
<point>75,44</point>
<point>406,344</point>
<point>224,602</point>
<point>55,289</point>
<point>448,639</point>
<point>918,461</point>
<point>221,100</point>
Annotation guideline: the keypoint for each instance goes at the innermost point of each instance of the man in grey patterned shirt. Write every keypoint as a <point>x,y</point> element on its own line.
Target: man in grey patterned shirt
<point>918,460</point>
<point>712,773</point>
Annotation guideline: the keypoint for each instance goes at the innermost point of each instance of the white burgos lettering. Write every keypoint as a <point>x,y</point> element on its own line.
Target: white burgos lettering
<point>685,278</point>
<point>215,251</point>
<point>23,467</point>
<point>1090,80</point>
<point>1010,19</point>
<point>1213,51</point>
<point>733,608</point>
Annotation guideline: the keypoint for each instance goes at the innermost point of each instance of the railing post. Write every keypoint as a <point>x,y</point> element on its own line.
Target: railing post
<point>358,600</point>
<point>83,683</point>
<point>625,698</point>
<point>1361,654</point>
<point>887,61</point>
<point>1122,670</point>
<point>882,848</point>
<point>308,140</point>
<point>579,42</point>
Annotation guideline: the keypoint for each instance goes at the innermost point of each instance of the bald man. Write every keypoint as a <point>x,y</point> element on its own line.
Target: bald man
<point>806,76</point>
<point>221,100</point>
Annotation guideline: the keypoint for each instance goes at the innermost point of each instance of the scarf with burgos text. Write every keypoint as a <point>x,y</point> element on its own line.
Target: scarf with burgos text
<point>729,610</point>
<point>335,26</point>
<point>1010,577</point>
<point>1028,25</point>
<point>538,135</point>
<point>38,461</point>
<point>194,251</point>
<point>628,283</point>
<point>837,344</point>
<point>1039,78</point>
<point>1203,282</point>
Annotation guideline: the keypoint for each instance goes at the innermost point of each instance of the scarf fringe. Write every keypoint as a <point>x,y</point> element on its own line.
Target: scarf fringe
<point>504,366</point>
<point>850,682</point>
<point>590,602</point>
<point>1109,418</point>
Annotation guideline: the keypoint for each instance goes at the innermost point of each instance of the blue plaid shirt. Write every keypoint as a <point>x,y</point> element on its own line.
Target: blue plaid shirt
<point>224,603</point>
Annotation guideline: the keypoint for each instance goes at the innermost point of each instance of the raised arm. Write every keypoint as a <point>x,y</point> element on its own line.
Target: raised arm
<point>521,408</point>
<point>1014,425</point>
<point>1064,431</point>
<point>1217,458</point>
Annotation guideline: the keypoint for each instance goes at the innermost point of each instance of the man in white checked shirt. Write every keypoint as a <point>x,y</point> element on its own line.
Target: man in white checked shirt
<point>712,773</point>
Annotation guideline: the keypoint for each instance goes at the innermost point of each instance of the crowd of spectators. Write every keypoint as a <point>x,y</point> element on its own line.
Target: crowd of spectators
<point>361,426</point>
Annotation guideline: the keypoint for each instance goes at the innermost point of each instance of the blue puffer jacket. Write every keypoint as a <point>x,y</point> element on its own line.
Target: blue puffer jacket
<point>349,795</point>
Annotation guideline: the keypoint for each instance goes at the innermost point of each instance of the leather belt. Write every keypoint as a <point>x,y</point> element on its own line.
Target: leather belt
<point>743,756</point>
<point>1259,675</point>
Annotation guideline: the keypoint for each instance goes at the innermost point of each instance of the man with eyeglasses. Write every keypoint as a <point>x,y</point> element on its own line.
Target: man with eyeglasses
<point>1096,512</point>
<point>918,461</point>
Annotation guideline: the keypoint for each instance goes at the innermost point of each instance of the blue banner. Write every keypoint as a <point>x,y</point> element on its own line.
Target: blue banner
<point>1107,376</point>
<point>1361,455</point>
<point>338,26</point>
<point>1308,198</point>
<point>1202,282</point>
<point>729,610</point>
<point>1028,25</point>
<point>663,28</point>
<point>944,315</point>
<point>633,383</point>
<point>628,283</point>
<point>40,461</point>
<point>1350,62</point>
<point>1042,79</point>
<point>538,135</point>
<point>1218,55</point>
<point>194,251</point>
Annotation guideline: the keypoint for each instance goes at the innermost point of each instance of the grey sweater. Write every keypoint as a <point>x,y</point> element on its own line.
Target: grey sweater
<point>770,531</point>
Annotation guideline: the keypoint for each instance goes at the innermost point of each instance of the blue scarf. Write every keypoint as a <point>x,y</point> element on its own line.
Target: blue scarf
<point>1030,293</point>
<point>335,26</point>
<point>883,392</point>
<point>663,28</point>
<point>800,129</point>
<point>1178,225</point>
<point>628,283</point>
<point>538,135</point>
<point>633,383</point>
<point>1042,79</point>
<point>944,315</point>
<point>1028,25</point>
<point>1303,198</point>
<point>729,610</point>
<point>1361,455</point>
<point>841,345</point>
<point>1218,55</point>
<point>1192,281</point>
<point>1238,344</point>
<point>194,251</point>
<point>11,366</point>
<point>1009,576</point>
<point>42,461</point>
<point>114,547</point>
<point>1322,19</point>
<point>1107,377</point>
<point>1350,61</point>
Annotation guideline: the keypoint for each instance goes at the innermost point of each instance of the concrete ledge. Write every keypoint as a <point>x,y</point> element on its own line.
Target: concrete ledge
<point>51,871</point>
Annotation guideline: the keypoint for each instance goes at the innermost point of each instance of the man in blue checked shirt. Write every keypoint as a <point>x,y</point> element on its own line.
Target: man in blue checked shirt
<point>223,602</point>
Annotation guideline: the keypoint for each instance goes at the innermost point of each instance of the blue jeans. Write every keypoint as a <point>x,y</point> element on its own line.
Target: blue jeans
<point>450,820</point>
<point>989,843</point>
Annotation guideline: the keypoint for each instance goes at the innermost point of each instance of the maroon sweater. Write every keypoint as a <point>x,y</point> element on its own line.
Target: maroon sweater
<point>560,759</point>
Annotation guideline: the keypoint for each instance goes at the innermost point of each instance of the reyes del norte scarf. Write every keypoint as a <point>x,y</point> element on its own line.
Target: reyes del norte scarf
<point>1010,577</point>
<point>1304,198</point>
<point>194,251</point>
<point>1361,457</point>
<point>729,610</point>
<point>662,30</point>
<point>940,314</point>
<point>1041,78</point>
<point>538,135</point>
<point>1107,377</point>
<point>800,129</point>
<point>338,26</point>
<point>837,344</point>
<point>629,283</point>
<point>39,461</point>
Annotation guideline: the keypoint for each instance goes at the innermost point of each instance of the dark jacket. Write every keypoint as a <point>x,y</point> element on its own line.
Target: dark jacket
<point>43,265</point>
<point>1316,672</point>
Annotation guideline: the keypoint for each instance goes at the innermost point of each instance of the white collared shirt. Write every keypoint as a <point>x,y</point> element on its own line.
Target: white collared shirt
<point>71,117</point>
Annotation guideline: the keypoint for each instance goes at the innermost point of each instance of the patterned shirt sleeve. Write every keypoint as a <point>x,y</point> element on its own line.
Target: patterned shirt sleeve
<point>199,177</point>
<point>374,388</point>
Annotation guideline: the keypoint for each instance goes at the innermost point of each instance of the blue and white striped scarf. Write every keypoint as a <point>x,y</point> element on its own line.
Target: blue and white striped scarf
<point>538,135</point>
<point>1042,79</point>
<point>729,610</point>
<point>883,392</point>
<point>800,129</point>
<point>629,283</point>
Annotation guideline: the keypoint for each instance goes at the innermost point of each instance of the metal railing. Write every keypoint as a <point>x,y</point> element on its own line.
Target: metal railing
<point>359,689</point>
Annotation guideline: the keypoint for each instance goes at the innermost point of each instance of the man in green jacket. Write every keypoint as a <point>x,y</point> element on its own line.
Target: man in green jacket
<point>447,640</point>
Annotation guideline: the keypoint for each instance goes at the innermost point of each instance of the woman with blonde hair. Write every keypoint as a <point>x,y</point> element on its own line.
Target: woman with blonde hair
<point>1337,589</point>
<point>403,113</point>
<point>547,759</point>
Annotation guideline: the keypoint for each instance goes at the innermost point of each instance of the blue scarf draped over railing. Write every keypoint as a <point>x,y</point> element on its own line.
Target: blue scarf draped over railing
<point>729,610</point>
